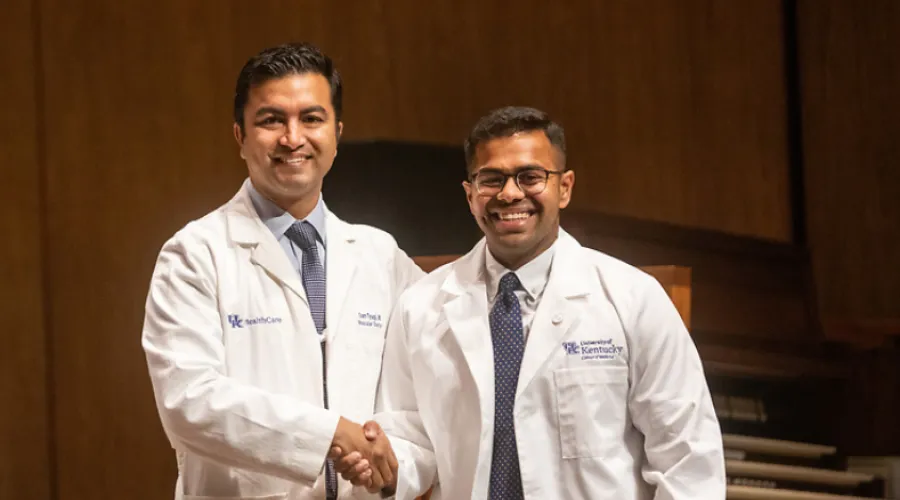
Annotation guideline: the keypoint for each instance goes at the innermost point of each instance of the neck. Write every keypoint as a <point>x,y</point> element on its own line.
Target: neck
<point>514,258</point>
<point>299,209</point>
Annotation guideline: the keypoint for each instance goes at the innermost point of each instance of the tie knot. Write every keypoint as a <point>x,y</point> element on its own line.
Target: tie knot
<point>303,234</point>
<point>509,283</point>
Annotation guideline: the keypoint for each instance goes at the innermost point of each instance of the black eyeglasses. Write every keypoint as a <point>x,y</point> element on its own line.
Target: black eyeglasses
<point>531,180</point>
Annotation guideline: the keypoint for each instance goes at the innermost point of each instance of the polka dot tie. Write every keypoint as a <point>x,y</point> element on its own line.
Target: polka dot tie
<point>509,344</point>
<point>312,273</point>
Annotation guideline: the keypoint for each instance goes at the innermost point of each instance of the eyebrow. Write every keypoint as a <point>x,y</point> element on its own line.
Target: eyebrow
<point>278,111</point>
<point>513,171</point>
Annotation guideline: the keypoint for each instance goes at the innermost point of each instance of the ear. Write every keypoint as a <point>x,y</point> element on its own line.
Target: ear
<point>467,187</point>
<point>566,184</point>
<point>339,132</point>
<point>239,138</point>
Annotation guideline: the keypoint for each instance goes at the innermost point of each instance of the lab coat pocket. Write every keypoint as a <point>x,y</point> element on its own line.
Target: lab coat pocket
<point>592,409</point>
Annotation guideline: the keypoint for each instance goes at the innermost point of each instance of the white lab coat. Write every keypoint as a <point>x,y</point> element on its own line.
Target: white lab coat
<point>612,402</point>
<point>235,360</point>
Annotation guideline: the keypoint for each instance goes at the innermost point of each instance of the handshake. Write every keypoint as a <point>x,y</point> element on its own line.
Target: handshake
<point>363,456</point>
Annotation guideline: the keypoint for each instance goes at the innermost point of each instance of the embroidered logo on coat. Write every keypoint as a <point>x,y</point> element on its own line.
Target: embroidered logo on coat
<point>369,319</point>
<point>236,321</point>
<point>593,349</point>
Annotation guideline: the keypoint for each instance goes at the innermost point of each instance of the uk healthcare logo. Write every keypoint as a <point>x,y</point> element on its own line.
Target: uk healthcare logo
<point>236,321</point>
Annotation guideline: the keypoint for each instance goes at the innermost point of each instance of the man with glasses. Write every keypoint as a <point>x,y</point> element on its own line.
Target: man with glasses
<point>534,367</point>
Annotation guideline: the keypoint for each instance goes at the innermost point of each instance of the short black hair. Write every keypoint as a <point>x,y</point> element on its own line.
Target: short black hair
<point>510,120</point>
<point>283,60</point>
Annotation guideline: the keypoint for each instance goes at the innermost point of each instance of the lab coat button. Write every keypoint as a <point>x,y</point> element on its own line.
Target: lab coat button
<point>557,319</point>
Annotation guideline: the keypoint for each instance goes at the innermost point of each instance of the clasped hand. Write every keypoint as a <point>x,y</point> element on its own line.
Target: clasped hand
<point>363,456</point>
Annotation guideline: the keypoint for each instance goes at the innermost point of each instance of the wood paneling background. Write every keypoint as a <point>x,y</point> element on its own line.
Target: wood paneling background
<point>24,450</point>
<point>674,112</point>
<point>850,74</point>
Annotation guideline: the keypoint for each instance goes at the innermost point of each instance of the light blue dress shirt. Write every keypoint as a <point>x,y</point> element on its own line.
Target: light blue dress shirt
<point>278,221</point>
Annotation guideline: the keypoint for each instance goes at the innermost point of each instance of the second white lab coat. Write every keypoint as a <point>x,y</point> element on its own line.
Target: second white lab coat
<point>612,402</point>
<point>236,362</point>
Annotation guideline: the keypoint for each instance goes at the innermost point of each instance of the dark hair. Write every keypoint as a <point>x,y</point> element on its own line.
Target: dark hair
<point>284,60</point>
<point>505,122</point>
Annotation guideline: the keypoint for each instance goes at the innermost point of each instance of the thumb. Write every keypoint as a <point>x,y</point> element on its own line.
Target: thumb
<point>373,430</point>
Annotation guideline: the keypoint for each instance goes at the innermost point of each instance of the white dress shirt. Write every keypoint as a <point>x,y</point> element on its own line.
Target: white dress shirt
<point>533,276</point>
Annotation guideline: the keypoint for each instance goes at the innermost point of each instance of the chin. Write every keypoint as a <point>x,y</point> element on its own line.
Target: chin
<point>297,183</point>
<point>513,240</point>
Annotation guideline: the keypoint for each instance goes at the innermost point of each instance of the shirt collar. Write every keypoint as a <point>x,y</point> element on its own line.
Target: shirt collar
<point>278,221</point>
<point>533,275</point>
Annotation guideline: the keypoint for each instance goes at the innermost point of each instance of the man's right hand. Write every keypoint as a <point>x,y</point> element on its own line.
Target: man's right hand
<point>364,455</point>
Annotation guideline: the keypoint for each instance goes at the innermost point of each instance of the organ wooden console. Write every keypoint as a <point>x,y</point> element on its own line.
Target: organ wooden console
<point>782,388</point>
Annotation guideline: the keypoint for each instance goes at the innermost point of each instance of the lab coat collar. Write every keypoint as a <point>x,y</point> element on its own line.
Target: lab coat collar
<point>245,228</point>
<point>560,308</point>
<point>469,270</point>
<point>467,314</point>
<point>340,267</point>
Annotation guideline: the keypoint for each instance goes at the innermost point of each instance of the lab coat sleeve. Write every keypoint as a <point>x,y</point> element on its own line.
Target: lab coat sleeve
<point>202,409</point>
<point>670,403</point>
<point>406,272</point>
<point>397,411</point>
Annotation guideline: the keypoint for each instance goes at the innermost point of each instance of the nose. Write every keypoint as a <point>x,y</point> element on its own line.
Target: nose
<point>294,135</point>
<point>511,191</point>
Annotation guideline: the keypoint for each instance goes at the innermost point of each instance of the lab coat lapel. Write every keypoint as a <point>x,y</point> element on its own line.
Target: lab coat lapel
<point>558,312</point>
<point>466,313</point>
<point>340,267</point>
<point>270,256</point>
<point>246,229</point>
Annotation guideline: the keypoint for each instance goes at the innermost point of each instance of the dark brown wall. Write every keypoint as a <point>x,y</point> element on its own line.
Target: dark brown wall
<point>850,73</point>
<point>24,452</point>
<point>675,112</point>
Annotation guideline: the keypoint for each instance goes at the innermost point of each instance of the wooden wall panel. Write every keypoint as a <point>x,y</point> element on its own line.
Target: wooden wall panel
<point>24,451</point>
<point>675,111</point>
<point>850,74</point>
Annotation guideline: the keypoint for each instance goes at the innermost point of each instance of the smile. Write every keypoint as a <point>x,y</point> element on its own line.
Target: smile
<point>294,160</point>
<point>511,215</point>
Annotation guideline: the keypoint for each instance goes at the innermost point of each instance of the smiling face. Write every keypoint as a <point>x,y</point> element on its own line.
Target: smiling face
<point>289,139</point>
<point>519,226</point>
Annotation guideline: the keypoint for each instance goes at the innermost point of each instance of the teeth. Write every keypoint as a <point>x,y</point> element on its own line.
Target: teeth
<point>295,160</point>
<point>521,215</point>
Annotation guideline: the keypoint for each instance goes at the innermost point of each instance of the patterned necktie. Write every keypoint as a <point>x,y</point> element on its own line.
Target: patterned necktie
<point>509,345</point>
<point>303,234</point>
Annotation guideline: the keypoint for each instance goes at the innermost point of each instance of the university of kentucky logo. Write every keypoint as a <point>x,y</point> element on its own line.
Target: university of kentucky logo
<point>571,348</point>
<point>593,349</point>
